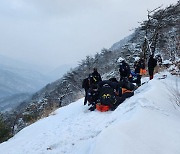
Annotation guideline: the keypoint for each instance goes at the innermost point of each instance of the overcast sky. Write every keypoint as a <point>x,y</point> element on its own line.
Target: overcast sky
<point>56,32</point>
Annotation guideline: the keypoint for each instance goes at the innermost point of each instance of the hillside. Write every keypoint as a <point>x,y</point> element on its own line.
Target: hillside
<point>129,48</point>
<point>7,104</point>
<point>69,86</point>
<point>146,123</point>
<point>18,81</point>
<point>15,80</point>
<point>163,23</point>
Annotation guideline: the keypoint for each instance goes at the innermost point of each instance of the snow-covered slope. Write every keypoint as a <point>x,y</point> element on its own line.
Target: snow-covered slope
<point>147,123</point>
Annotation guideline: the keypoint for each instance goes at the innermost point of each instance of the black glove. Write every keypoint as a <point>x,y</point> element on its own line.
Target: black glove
<point>92,108</point>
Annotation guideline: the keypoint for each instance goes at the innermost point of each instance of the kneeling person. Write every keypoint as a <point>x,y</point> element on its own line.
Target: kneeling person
<point>93,96</point>
<point>108,96</point>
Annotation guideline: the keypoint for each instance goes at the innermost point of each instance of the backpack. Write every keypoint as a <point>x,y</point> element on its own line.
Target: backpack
<point>107,95</point>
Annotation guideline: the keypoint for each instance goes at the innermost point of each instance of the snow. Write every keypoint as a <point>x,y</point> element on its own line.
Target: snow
<point>146,123</point>
<point>167,62</point>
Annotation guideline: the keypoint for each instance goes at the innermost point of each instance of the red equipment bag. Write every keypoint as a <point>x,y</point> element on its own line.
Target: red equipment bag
<point>102,108</point>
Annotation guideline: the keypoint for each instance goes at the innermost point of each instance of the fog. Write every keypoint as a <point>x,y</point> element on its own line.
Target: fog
<point>57,32</point>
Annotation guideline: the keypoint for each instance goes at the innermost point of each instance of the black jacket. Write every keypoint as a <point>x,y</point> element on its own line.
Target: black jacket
<point>94,78</point>
<point>152,63</point>
<point>85,84</point>
<point>124,69</point>
<point>92,96</point>
<point>114,85</point>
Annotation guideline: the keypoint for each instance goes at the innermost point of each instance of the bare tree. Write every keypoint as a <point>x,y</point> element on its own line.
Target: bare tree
<point>158,20</point>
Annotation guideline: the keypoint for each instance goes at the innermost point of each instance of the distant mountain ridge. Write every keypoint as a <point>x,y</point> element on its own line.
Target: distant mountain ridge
<point>18,81</point>
<point>11,102</point>
<point>15,80</point>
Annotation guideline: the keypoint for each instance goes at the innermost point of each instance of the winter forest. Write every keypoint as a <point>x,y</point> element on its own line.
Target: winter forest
<point>159,35</point>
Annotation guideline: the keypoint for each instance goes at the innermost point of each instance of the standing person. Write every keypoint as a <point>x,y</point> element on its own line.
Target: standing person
<point>152,62</point>
<point>143,68</point>
<point>124,70</point>
<point>94,77</point>
<point>137,68</point>
<point>159,63</point>
<point>86,86</point>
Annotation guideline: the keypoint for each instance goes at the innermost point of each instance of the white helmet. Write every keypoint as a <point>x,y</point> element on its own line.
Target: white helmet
<point>136,58</point>
<point>120,60</point>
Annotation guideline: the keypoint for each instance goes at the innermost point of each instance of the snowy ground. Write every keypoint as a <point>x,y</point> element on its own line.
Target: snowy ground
<point>147,123</point>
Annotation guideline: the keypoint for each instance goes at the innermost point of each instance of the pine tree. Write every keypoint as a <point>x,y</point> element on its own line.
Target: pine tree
<point>5,131</point>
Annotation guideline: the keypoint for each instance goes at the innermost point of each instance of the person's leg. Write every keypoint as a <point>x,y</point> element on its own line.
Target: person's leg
<point>138,83</point>
<point>151,71</point>
<point>85,98</point>
<point>151,77</point>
